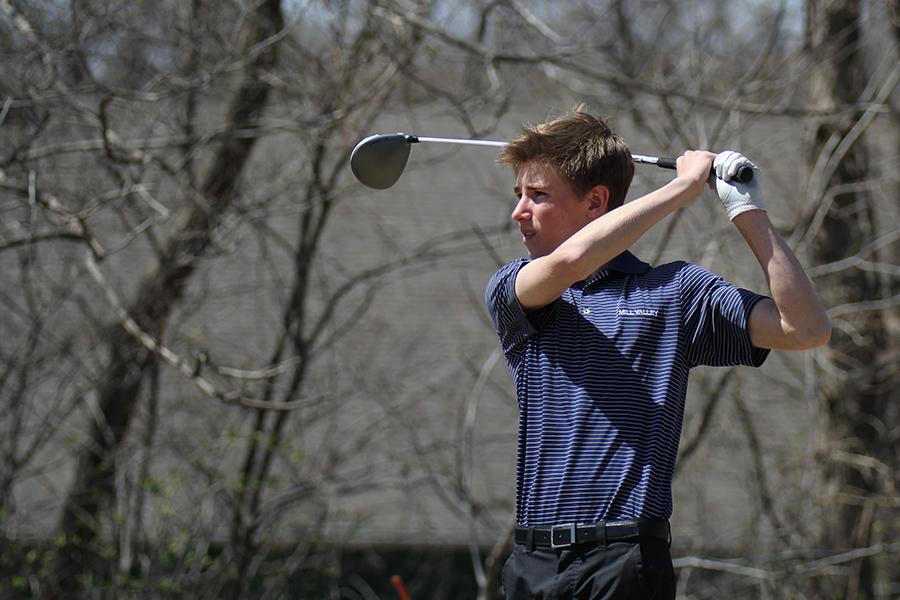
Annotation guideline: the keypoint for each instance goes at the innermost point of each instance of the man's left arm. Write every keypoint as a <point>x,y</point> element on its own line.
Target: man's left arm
<point>794,319</point>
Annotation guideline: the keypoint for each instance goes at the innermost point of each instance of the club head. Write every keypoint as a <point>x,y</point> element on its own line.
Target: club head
<point>378,160</point>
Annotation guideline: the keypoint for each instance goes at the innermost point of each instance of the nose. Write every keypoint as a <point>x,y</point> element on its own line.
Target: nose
<point>522,211</point>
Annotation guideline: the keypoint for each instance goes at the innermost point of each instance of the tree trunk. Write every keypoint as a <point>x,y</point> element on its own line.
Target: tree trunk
<point>858,404</point>
<point>158,294</point>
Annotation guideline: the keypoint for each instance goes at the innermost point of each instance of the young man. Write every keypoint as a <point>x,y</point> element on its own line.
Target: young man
<point>600,344</point>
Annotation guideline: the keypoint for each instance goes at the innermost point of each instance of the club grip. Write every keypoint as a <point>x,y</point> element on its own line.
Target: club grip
<point>744,174</point>
<point>666,163</point>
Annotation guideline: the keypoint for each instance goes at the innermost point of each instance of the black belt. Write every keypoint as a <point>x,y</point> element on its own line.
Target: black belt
<point>600,533</point>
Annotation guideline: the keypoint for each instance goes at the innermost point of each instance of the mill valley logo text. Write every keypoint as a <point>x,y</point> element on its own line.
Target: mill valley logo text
<point>638,312</point>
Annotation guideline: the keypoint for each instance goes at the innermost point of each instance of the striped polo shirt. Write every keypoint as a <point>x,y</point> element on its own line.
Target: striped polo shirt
<point>601,376</point>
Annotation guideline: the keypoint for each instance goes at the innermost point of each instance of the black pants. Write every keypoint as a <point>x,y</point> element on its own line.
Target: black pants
<point>621,570</point>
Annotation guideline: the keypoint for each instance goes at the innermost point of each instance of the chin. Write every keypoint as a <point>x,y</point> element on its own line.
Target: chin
<point>534,247</point>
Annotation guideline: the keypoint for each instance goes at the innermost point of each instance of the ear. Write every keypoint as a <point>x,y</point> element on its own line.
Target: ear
<point>598,200</point>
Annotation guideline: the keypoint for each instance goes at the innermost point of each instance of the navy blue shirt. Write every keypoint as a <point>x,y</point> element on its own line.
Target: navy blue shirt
<point>601,377</point>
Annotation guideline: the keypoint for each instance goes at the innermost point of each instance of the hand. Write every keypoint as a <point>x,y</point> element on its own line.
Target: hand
<point>736,197</point>
<point>694,167</point>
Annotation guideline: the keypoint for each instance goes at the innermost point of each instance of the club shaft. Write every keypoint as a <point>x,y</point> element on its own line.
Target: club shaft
<point>653,160</point>
<point>459,141</point>
<point>744,175</point>
<point>665,163</point>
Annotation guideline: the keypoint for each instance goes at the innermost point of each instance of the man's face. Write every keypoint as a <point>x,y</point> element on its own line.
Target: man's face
<point>548,210</point>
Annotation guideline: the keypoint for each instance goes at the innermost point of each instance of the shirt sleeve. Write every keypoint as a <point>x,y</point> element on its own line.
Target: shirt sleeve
<point>715,317</point>
<point>514,325</point>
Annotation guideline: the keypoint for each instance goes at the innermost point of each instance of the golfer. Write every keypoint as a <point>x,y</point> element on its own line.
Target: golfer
<point>600,344</point>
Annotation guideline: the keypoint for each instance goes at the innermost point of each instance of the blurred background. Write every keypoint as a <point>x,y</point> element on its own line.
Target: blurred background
<point>228,370</point>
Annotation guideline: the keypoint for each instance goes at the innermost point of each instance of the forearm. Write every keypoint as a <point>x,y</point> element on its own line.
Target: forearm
<point>801,321</point>
<point>598,242</point>
<point>608,236</point>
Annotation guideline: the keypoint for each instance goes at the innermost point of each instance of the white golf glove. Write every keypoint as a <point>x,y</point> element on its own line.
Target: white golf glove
<point>736,197</point>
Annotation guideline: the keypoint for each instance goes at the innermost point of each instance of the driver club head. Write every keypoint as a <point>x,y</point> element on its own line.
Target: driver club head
<point>378,160</point>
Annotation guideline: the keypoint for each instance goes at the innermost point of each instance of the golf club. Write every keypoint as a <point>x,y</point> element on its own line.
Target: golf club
<point>378,160</point>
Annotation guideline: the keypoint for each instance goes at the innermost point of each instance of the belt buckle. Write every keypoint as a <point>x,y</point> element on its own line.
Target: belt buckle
<point>553,544</point>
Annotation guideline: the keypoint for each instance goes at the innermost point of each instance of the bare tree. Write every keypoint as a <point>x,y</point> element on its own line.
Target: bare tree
<point>213,364</point>
<point>857,389</point>
<point>157,294</point>
<point>172,181</point>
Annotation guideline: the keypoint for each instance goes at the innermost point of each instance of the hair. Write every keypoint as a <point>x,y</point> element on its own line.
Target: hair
<point>581,148</point>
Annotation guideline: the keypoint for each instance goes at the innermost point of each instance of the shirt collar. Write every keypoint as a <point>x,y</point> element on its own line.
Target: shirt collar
<point>626,263</point>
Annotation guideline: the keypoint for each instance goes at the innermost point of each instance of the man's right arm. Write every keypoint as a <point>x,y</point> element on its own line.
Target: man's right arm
<point>544,279</point>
